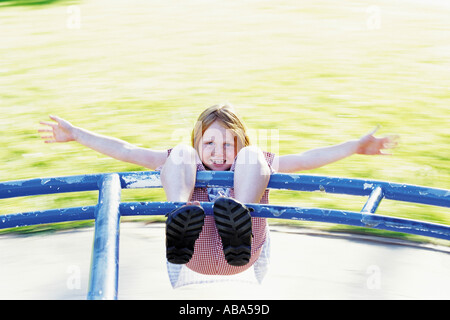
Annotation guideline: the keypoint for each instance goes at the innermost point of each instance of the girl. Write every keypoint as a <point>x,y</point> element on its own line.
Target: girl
<point>230,241</point>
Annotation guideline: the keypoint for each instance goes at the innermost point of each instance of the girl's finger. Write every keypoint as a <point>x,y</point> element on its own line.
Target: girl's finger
<point>390,142</point>
<point>371,133</point>
<point>58,119</point>
<point>45,130</point>
<point>54,118</point>
<point>46,123</point>
<point>389,145</point>
<point>384,153</point>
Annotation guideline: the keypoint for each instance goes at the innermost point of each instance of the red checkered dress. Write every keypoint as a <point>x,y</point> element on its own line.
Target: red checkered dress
<point>208,257</point>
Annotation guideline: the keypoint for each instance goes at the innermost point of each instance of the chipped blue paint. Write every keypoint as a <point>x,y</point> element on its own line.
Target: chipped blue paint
<point>375,190</point>
<point>359,219</point>
<point>46,216</point>
<point>151,179</point>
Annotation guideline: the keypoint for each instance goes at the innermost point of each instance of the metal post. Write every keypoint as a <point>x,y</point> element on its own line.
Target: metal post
<point>374,201</point>
<point>104,273</point>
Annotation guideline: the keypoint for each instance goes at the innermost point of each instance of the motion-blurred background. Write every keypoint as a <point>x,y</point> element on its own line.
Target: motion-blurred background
<point>303,74</point>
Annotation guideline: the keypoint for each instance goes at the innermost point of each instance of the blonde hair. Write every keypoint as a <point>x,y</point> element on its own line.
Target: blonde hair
<point>228,118</point>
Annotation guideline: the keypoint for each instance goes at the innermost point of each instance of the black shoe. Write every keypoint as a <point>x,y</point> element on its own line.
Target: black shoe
<point>234,224</point>
<point>183,227</point>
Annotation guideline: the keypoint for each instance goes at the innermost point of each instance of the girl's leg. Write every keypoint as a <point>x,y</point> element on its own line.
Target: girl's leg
<point>251,175</point>
<point>178,174</point>
<point>183,225</point>
<point>233,220</point>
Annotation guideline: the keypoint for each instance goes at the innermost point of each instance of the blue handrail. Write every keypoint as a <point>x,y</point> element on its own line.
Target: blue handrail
<point>103,282</point>
<point>151,179</point>
<point>104,276</point>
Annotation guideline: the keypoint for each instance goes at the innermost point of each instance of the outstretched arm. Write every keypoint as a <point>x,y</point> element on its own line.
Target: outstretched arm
<point>316,158</point>
<point>61,130</point>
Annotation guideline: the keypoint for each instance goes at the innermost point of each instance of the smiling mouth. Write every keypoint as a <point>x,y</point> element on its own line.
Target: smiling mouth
<point>217,162</point>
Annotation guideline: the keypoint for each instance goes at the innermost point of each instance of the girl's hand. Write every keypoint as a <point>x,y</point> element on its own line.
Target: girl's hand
<point>62,130</point>
<point>370,145</point>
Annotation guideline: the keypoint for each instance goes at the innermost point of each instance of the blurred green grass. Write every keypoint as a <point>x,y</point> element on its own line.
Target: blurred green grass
<point>16,3</point>
<point>318,72</point>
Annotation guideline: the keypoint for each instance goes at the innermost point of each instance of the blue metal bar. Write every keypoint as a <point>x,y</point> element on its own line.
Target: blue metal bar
<point>359,219</point>
<point>263,211</point>
<point>357,187</point>
<point>374,189</point>
<point>46,216</point>
<point>20,188</point>
<point>104,273</point>
<point>151,179</point>
<point>374,201</point>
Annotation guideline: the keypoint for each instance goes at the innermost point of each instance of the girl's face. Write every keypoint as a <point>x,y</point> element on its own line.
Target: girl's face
<point>217,147</point>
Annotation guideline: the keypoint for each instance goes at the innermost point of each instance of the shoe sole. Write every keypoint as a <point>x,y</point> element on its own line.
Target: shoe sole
<point>183,227</point>
<point>234,224</point>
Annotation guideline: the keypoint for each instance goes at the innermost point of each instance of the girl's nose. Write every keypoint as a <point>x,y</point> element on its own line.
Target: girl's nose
<point>218,152</point>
